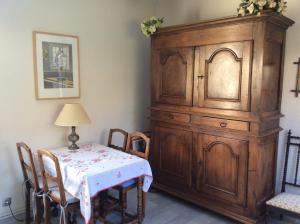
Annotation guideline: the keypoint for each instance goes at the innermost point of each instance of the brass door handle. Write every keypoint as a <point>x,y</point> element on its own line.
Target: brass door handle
<point>223,124</point>
<point>201,76</point>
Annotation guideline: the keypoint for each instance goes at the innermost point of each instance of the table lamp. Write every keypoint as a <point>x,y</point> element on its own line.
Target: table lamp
<point>72,115</point>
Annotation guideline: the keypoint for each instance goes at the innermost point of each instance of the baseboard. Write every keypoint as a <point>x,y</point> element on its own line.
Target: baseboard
<point>8,214</point>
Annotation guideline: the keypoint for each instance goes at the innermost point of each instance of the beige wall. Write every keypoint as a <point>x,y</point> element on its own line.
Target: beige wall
<point>114,59</point>
<point>178,12</point>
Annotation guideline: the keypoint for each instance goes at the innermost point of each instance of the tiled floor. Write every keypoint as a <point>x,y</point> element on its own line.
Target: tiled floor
<point>163,209</point>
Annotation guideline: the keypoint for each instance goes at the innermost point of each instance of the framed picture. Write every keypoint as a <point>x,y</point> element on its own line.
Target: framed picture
<point>56,65</point>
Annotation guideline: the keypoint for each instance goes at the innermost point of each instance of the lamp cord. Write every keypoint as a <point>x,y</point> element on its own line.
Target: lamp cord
<point>13,215</point>
<point>11,212</point>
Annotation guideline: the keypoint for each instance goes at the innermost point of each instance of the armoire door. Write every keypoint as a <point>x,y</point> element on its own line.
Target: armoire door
<point>172,74</point>
<point>222,75</point>
<point>221,168</point>
<point>172,157</point>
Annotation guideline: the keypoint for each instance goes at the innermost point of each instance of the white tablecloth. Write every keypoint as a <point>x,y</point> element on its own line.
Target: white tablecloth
<point>94,168</point>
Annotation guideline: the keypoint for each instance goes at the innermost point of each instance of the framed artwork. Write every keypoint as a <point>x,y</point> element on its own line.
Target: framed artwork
<point>56,65</point>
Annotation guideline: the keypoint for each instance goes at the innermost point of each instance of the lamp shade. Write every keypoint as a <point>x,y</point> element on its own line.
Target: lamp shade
<point>72,114</point>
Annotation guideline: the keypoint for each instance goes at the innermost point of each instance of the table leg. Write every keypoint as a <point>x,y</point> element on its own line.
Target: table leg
<point>101,201</point>
<point>92,221</point>
<point>144,204</point>
<point>140,200</point>
<point>27,204</point>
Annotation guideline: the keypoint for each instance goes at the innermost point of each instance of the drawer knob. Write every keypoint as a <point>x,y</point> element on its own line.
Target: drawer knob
<point>223,124</point>
<point>171,116</point>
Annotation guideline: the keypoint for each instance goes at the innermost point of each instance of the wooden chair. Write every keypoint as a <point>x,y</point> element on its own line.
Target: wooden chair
<point>31,181</point>
<point>287,203</point>
<point>125,187</point>
<point>110,139</point>
<point>110,202</point>
<point>67,202</point>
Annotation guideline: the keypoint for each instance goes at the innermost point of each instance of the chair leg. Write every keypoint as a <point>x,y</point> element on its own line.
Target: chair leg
<point>47,211</point>
<point>123,204</point>
<point>68,217</point>
<point>39,210</point>
<point>121,196</point>
<point>27,205</point>
<point>281,217</point>
<point>268,216</point>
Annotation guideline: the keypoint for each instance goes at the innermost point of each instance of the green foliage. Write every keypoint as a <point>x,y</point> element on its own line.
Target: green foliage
<point>255,7</point>
<point>149,26</point>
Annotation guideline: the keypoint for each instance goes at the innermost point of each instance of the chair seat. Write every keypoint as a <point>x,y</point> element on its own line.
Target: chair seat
<point>70,198</point>
<point>129,183</point>
<point>287,201</point>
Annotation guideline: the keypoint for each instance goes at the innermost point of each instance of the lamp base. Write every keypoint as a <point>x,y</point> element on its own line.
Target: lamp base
<point>73,137</point>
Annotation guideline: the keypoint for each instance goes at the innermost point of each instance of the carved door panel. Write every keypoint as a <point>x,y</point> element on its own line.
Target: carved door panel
<point>173,76</point>
<point>221,165</point>
<point>172,157</point>
<point>222,76</point>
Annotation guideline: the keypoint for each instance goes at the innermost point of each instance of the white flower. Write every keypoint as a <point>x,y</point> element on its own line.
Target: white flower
<point>250,8</point>
<point>272,4</point>
<point>152,29</point>
<point>262,3</point>
<point>241,11</point>
<point>149,26</point>
<point>281,6</point>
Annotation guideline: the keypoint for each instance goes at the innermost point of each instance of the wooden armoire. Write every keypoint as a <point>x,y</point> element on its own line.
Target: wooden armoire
<point>215,110</point>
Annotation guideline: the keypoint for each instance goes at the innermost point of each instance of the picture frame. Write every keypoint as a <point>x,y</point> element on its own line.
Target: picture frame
<point>56,65</point>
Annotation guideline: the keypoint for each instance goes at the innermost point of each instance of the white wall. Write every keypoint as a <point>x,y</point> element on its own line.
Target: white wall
<point>114,60</point>
<point>188,11</point>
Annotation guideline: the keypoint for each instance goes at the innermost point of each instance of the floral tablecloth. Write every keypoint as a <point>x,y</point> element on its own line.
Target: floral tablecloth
<point>94,168</point>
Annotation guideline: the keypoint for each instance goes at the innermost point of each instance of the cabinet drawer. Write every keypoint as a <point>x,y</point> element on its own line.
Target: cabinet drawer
<point>171,116</point>
<point>221,123</point>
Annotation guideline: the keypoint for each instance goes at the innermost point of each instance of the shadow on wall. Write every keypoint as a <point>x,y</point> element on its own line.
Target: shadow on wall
<point>189,11</point>
<point>142,80</point>
<point>140,84</point>
<point>104,136</point>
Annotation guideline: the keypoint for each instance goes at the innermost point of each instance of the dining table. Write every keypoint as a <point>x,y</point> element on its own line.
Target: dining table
<point>94,168</point>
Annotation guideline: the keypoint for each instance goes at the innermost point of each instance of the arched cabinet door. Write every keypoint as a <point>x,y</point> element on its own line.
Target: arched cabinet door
<point>222,166</point>
<point>172,76</point>
<point>172,150</point>
<point>222,76</point>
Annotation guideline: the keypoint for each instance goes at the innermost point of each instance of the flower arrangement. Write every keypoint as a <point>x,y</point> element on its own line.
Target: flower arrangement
<point>255,7</point>
<point>149,26</point>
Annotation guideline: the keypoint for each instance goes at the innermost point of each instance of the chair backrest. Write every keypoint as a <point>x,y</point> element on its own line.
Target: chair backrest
<point>124,135</point>
<point>134,136</point>
<point>28,168</point>
<point>293,143</point>
<point>48,176</point>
